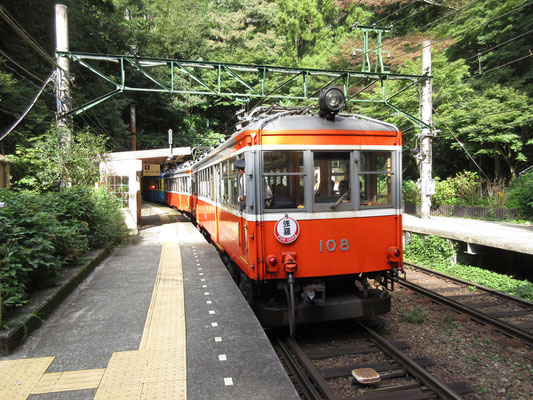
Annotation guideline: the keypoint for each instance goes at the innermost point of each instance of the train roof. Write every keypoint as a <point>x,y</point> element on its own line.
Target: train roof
<point>295,118</point>
<point>314,122</point>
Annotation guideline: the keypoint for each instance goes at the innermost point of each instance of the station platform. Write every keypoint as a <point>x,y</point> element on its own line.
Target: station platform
<point>158,319</point>
<point>500,235</point>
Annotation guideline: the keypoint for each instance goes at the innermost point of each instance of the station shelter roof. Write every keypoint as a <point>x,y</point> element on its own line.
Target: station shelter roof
<point>154,156</point>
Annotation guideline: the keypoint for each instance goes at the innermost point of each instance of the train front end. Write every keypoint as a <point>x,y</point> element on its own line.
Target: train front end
<point>331,223</point>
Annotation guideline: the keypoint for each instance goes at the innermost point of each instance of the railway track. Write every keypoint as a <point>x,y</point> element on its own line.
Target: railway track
<point>401,377</point>
<point>508,314</point>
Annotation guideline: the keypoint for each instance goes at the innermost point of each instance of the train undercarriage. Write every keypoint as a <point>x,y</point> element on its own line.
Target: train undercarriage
<point>312,300</point>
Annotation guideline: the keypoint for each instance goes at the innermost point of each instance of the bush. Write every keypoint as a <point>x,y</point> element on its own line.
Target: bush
<point>41,233</point>
<point>521,194</point>
<point>461,190</point>
<point>410,192</point>
<point>108,225</point>
<point>429,249</point>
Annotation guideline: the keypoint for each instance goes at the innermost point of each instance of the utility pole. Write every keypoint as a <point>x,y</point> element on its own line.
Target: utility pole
<point>62,84</point>
<point>133,127</point>
<point>426,182</point>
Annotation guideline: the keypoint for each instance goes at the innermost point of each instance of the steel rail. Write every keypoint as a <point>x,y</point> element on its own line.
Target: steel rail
<point>440,388</point>
<point>479,316</point>
<point>502,295</point>
<point>299,372</point>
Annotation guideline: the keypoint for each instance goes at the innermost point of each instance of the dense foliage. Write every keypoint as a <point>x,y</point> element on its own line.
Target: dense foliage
<point>47,163</point>
<point>468,189</point>
<point>438,254</point>
<point>521,194</point>
<point>482,68</point>
<point>482,73</point>
<point>42,233</point>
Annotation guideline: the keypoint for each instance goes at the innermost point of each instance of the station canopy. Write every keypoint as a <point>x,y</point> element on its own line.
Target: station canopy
<point>154,156</point>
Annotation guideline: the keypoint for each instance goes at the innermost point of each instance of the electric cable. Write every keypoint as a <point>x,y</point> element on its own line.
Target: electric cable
<point>500,66</point>
<point>21,66</point>
<point>460,144</point>
<point>397,11</point>
<point>498,45</point>
<point>25,78</point>
<point>16,113</point>
<point>14,125</point>
<point>25,36</point>
<point>454,11</point>
<point>465,30</point>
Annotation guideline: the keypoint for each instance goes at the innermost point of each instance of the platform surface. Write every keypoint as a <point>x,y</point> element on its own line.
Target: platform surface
<point>501,235</point>
<point>158,319</point>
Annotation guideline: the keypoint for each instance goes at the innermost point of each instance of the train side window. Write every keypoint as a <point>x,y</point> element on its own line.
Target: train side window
<point>284,180</point>
<point>234,191</point>
<point>225,183</point>
<point>375,179</point>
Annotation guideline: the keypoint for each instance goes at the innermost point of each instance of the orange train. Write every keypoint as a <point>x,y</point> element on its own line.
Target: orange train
<point>305,209</point>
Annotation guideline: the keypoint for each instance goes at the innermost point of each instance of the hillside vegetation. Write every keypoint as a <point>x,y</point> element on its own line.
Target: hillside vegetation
<point>482,69</point>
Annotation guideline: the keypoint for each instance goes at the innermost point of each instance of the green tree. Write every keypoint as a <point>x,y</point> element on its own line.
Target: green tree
<point>500,120</point>
<point>302,22</point>
<point>47,163</point>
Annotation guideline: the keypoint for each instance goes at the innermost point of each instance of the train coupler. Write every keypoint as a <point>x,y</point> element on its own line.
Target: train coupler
<point>314,293</point>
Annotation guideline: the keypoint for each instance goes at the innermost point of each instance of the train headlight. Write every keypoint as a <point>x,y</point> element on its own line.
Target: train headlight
<point>330,101</point>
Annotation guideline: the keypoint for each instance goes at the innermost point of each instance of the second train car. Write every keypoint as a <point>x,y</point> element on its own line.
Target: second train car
<point>305,209</point>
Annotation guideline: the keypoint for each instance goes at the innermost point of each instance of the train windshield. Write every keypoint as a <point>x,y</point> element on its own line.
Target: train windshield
<point>332,177</point>
<point>375,178</point>
<point>328,181</point>
<point>284,181</point>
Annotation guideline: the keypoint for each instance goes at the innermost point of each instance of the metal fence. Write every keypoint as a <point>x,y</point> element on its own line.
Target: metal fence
<point>464,212</point>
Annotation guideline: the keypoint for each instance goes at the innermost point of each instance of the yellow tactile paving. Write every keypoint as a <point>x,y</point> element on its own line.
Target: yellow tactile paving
<point>46,383</point>
<point>129,392</point>
<point>164,390</point>
<point>18,377</point>
<point>156,371</point>
<point>70,380</point>
<point>125,368</point>
<point>160,363</point>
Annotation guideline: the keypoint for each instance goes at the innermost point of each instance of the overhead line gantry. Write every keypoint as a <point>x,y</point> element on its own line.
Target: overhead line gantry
<point>174,76</point>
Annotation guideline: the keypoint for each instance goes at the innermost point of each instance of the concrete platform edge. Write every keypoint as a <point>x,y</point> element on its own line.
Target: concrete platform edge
<point>30,315</point>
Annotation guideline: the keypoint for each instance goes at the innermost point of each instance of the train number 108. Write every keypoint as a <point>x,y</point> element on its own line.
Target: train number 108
<point>331,245</point>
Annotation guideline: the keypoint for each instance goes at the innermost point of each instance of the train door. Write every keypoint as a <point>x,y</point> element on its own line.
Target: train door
<point>217,182</point>
<point>194,194</point>
<point>240,166</point>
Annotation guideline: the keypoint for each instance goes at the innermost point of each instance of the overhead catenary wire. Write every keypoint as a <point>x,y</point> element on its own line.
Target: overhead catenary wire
<point>25,36</point>
<point>501,66</point>
<point>26,79</point>
<point>345,16</point>
<point>499,45</point>
<point>391,14</point>
<point>461,144</point>
<point>14,125</point>
<point>454,11</point>
<point>465,30</point>
<point>21,66</point>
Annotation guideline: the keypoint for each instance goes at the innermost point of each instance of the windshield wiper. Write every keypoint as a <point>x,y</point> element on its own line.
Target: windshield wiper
<point>340,199</point>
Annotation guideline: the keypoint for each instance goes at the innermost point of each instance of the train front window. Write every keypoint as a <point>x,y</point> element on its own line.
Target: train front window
<point>376,179</point>
<point>332,181</point>
<point>284,179</point>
